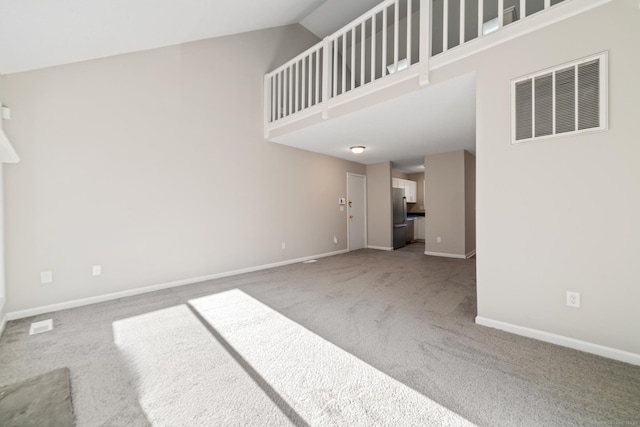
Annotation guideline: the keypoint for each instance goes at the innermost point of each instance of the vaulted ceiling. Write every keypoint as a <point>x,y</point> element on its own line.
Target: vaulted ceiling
<point>42,33</point>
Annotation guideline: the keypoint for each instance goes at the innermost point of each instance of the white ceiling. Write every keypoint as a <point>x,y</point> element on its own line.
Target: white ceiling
<point>436,119</point>
<point>41,33</point>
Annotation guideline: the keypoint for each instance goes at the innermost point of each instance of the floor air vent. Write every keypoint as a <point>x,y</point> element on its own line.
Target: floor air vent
<point>40,327</point>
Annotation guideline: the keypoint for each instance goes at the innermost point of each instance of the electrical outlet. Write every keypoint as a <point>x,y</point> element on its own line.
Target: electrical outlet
<point>96,270</point>
<point>439,239</point>
<point>335,240</point>
<point>573,299</point>
<point>46,277</point>
<point>284,245</point>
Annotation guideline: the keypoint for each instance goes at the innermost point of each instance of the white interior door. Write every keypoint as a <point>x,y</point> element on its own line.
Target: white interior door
<point>356,211</point>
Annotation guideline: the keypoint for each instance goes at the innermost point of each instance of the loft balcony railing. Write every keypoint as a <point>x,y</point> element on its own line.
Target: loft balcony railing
<point>390,43</point>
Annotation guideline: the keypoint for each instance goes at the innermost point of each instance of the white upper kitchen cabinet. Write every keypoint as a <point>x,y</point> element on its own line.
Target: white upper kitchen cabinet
<point>410,188</point>
<point>411,191</point>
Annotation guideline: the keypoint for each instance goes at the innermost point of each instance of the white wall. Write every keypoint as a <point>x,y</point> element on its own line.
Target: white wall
<point>379,208</point>
<point>153,165</point>
<point>445,204</point>
<point>2,278</point>
<point>563,214</point>
<point>2,269</point>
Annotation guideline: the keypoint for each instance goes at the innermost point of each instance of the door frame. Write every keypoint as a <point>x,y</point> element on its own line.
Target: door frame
<point>364,180</point>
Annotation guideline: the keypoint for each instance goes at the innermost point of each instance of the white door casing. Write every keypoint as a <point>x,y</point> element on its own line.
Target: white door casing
<point>356,211</point>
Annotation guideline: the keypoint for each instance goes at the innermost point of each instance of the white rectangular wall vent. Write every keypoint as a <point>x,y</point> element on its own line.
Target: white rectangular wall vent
<point>564,100</point>
<point>40,327</point>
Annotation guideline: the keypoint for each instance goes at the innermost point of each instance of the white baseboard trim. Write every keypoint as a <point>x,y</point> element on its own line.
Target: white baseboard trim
<point>470,254</point>
<point>380,248</point>
<point>131,292</point>
<point>600,350</point>
<point>445,255</point>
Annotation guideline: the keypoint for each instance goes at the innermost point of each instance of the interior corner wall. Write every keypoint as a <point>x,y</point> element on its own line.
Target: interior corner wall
<point>3,300</point>
<point>445,203</point>
<point>469,202</point>
<point>379,208</point>
<point>418,206</point>
<point>154,166</point>
<point>561,214</point>
<point>2,268</point>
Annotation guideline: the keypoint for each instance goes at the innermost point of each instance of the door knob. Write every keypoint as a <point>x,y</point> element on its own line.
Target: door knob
<point>350,216</point>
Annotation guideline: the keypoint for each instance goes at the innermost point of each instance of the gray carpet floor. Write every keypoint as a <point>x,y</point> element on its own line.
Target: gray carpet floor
<point>407,315</point>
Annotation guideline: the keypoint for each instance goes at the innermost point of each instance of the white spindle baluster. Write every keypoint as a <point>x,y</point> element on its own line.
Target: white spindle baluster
<point>553,104</point>
<point>362,50</point>
<point>396,33</point>
<point>317,53</point>
<point>273,97</point>
<point>283,95</point>
<point>290,68</point>
<point>547,4</point>
<point>500,14</point>
<point>335,67</point>
<point>353,58</point>
<point>296,87</point>
<point>326,72</point>
<point>576,124</point>
<point>279,94</point>
<point>480,17</point>
<point>384,42</point>
<point>373,47</point>
<point>344,62</point>
<point>445,26</point>
<point>305,83</point>
<point>533,107</point>
<point>425,40</point>
<point>523,9</point>
<point>285,92</point>
<point>409,19</point>
<point>462,20</point>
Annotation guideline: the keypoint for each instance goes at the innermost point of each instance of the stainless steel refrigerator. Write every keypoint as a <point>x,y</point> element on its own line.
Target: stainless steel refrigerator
<point>399,202</point>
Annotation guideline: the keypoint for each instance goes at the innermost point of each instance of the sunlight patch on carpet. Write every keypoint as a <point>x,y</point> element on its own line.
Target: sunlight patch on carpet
<point>234,360</point>
<point>184,377</point>
<point>323,383</point>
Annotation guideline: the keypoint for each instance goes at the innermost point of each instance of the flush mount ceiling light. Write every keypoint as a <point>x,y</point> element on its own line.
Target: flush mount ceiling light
<point>357,149</point>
